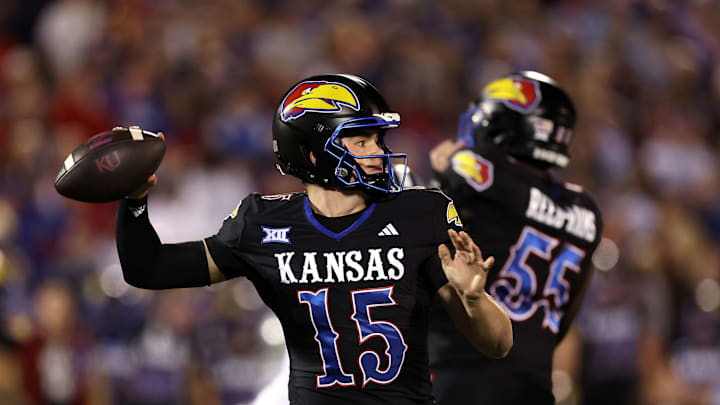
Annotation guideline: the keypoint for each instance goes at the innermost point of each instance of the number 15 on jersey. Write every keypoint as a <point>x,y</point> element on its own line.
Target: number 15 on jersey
<point>369,361</point>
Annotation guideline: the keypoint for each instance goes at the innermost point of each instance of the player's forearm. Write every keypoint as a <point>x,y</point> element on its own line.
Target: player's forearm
<point>146,262</point>
<point>489,328</point>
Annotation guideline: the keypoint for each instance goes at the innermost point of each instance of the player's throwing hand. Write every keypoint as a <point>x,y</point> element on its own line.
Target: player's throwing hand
<point>467,271</point>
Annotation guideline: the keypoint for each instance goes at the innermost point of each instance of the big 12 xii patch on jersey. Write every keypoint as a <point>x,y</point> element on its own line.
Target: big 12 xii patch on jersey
<point>353,303</point>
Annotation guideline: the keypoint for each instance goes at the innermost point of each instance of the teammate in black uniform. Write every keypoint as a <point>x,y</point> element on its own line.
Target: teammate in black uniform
<point>541,232</point>
<point>349,267</point>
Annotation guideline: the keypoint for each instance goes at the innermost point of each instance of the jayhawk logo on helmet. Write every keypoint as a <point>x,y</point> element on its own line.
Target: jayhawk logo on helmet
<point>317,96</point>
<point>516,93</point>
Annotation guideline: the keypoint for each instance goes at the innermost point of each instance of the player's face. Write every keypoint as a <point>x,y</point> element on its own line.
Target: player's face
<point>365,143</point>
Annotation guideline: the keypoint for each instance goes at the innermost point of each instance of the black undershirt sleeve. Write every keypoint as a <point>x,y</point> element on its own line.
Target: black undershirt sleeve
<point>146,262</point>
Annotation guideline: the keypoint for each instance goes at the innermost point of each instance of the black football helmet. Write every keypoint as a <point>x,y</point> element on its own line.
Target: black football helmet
<point>313,117</point>
<point>526,115</point>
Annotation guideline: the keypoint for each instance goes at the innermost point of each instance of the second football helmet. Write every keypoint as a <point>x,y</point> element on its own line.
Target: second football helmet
<point>526,115</point>
<point>315,114</point>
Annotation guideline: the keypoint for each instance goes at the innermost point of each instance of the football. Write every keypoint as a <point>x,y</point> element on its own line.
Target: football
<point>110,165</point>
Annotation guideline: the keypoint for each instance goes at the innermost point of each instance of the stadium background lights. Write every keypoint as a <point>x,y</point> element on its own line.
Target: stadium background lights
<point>112,283</point>
<point>271,331</point>
<point>606,256</point>
<point>707,295</point>
<point>245,296</point>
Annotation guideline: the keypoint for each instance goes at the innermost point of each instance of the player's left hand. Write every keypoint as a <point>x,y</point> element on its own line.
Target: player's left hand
<point>467,271</point>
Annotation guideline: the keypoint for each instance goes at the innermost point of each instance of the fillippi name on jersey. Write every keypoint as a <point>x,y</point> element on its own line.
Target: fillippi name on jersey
<point>576,220</point>
<point>340,267</point>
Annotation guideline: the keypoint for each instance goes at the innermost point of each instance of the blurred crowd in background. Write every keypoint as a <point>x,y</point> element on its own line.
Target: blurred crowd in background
<point>644,75</point>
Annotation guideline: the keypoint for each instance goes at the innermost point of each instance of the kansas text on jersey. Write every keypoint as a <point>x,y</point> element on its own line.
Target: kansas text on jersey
<point>353,304</point>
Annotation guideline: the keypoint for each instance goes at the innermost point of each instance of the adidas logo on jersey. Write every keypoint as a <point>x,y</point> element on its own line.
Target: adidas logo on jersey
<point>137,211</point>
<point>388,230</point>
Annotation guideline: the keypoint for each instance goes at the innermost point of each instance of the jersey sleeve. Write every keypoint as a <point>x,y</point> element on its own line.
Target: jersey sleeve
<point>448,181</point>
<point>590,203</point>
<point>225,246</point>
<point>586,273</point>
<point>445,216</point>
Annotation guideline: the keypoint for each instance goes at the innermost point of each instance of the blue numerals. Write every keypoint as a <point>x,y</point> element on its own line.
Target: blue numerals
<point>516,288</point>
<point>326,337</point>
<point>363,300</point>
<point>369,361</point>
<point>569,258</point>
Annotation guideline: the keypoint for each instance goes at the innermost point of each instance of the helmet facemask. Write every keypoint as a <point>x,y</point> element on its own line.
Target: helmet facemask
<point>469,121</point>
<point>347,170</point>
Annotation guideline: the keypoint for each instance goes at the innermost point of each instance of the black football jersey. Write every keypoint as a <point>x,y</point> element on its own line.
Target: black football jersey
<point>353,304</point>
<point>542,234</point>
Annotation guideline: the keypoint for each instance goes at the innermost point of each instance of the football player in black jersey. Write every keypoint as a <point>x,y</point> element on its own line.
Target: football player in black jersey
<point>542,233</point>
<point>349,267</point>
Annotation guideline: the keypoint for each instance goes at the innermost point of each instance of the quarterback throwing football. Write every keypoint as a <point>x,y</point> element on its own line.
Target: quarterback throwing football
<point>349,266</point>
